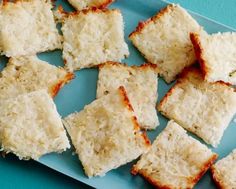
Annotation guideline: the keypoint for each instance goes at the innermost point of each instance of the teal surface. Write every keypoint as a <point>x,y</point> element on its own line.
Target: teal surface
<point>81,91</point>
<point>218,10</point>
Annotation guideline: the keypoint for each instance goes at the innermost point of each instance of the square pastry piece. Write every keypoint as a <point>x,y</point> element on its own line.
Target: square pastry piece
<point>27,27</point>
<point>92,37</point>
<point>30,126</point>
<point>164,40</point>
<point>85,4</point>
<point>28,73</point>
<point>175,160</point>
<point>224,172</point>
<point>140,83</point>
<point>205,109</point>
<point>217,56</point>
<point>106,134</point>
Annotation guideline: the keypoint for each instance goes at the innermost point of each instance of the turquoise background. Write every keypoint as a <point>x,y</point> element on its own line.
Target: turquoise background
<point>21,174</point>
<point>223,11</point>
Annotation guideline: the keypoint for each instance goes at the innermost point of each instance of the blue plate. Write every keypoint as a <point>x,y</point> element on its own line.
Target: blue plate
<point>82,90</point>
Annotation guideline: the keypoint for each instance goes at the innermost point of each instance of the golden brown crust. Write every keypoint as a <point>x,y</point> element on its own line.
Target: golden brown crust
<point>195,39</point>
<point>112,64</point>
<point>190,70</point>
<point>143,133</point>
<point>55,89</point>
<point>61,10</point>
<point>199,52</point>
<point>137,127</point>
<point>101,6</point>
<point>197,72</point>
<point>148,65</point>
<point>205,167</point>
<point>182,78</point>
<point>141,25</point>
<point>192,181</point>
<point>142,66</point>
<point>224,83</point>
<point>4,2</point>
<point>135,122</point>
<point>152,181</point>
<point>85,11</point>
<point>146,139</point>
<point>217,182</point>
<point>97,10</point>
<point>64,61</point>
<point>125,98</point>
<point>134,170</point>
<point>105,4</point>
<point>169,93</point>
